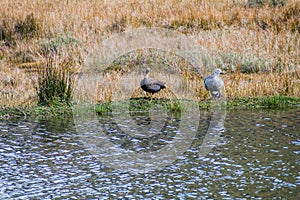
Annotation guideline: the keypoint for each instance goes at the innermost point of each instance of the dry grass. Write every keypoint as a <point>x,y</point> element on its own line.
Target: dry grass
<point>237,36</point>
<point>261,85</point>
<point>16,87</point>
<point>122,80</point>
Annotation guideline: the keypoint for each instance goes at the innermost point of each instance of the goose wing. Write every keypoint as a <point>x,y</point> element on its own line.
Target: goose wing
<point>206,81</point>
<point>152,85</point>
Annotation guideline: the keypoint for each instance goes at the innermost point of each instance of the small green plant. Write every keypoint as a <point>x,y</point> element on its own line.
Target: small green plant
<point>101,108</point>
<point>55,86</point>
<point>174,106</point>
<point>56,44</point>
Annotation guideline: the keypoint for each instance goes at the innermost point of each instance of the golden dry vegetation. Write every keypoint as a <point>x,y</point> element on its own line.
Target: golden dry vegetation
<point>256,43</point>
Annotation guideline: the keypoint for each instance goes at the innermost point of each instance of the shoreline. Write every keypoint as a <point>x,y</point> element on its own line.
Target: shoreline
<point>232,104</point>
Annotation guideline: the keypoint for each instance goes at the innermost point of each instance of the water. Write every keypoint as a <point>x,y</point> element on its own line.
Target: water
<point>148,155</point>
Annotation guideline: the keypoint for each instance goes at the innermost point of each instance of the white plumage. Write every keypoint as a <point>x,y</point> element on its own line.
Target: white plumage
<point>214,84</point>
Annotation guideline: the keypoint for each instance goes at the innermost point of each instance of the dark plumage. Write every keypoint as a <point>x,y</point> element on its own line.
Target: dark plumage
<point>152,85</point>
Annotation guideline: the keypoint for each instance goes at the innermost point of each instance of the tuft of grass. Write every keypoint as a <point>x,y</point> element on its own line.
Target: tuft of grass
<point>102,108</point>
<point>54,85</point>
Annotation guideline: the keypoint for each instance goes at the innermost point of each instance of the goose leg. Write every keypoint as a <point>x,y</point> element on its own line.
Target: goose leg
<point>151,97</point>
<point>219,94</point>
<point>213,95</point>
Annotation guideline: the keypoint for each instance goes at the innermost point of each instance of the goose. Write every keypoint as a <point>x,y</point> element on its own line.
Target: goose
<point>214,84</point>
<point>151,85</point>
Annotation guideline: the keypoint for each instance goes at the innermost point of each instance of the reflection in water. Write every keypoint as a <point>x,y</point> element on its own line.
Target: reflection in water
<point>141,139</point>
<point>258,158</point>
<point>120,142</point>
<point>141,131</point>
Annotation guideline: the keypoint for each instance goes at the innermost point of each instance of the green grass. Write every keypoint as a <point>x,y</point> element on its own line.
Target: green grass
<point>8,113</point>
<point>36,112</point>
<point>55,86</point>
<point>271,102</point>
<point>145,104</point>
<point>138,104</point>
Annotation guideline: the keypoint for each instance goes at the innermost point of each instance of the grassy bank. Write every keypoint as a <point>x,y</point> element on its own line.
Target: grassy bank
<point>240,103</point>
<point>36,112</point>
<point>144,104</point>
<point>44,45</point>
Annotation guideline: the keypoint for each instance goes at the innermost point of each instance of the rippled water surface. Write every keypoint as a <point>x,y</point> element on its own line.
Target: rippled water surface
<point>250,155</point>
